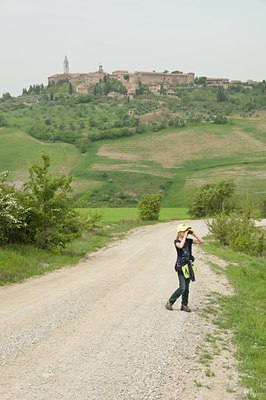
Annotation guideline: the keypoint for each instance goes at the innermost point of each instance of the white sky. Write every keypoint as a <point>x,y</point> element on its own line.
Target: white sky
<point>211,38</point>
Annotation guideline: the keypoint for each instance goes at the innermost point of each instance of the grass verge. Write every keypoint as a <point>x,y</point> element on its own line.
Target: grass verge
<point>245,314</point>
<point>20,262</point>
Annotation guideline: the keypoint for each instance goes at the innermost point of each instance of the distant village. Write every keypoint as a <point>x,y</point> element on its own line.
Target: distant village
<point>156,81</point>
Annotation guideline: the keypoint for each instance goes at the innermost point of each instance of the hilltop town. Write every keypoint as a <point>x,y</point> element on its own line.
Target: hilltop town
<point>156,81</point>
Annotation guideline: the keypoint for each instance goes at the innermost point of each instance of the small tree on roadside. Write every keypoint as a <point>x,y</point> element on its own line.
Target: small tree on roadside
<point>52,220</point>
<point>149,207</point>
<point>210,198</point>
<point>239,232</point>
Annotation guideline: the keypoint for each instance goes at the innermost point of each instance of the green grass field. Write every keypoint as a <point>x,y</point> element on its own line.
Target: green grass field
<point>116,173</point>
<point>123,214</point>
<point>18,150</point>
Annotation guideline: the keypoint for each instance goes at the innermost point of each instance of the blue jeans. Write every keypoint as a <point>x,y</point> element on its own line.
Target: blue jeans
<point>183,289</point>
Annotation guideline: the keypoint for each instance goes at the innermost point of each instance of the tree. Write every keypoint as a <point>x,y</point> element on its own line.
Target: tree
<point>210,198</point>
<point>149,207</point>
<point>140,89</point>
<point>200,80</point>
<point>6,96</point>
<point>3,121</point>
<point>52,220</point>
<point>82,144</point>
<point>70,88</point>
<point>221,95</point>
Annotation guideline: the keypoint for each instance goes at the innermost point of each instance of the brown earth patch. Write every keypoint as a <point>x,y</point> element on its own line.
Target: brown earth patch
<point>151,117</point>
<point>110,167</point>
<point>174,148</point>
<point>107,151</point>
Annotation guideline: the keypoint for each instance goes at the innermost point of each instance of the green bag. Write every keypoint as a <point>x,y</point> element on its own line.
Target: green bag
<point>185,270</point>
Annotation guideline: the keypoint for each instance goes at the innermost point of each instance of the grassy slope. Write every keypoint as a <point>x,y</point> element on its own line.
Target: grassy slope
<point>18,150</point>
<point>208,152</point>
<point>176,161</point>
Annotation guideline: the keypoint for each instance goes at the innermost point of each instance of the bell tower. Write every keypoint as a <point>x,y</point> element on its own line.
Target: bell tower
<point>66,66</point>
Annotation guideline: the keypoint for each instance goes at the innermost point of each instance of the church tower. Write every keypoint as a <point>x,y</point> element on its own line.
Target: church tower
<point>66,66</point>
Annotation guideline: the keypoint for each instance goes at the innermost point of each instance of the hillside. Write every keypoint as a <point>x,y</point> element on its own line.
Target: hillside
<point>118,150</point>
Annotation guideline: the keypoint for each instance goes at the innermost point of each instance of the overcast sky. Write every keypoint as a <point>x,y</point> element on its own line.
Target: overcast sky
<point>211,38</point>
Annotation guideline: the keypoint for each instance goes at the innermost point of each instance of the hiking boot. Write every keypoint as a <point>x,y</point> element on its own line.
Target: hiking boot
<point>185,308</point>
<point>169,306</point>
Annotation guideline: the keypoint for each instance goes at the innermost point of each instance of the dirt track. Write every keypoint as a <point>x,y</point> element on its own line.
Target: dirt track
<point>100,330</point>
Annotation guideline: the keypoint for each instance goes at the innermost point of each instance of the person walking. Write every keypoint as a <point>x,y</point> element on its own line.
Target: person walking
<point>184,265</point>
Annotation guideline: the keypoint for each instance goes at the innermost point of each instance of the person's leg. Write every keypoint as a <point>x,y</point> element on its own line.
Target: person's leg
<point>184,303</point>
<point>186,293</point>
<point>180,290</point>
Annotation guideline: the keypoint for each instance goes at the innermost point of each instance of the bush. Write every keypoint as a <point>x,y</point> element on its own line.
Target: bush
<point>3,121</point>
<point>221,119</point>
<point>238,232</point>
<point>149,207</point>
<point>13,215</point>
<point>210,198</point>
<point>94,220</point>
<point>51,220</point>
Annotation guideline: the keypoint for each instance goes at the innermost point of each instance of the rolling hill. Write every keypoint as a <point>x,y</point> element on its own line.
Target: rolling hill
<point>174,160</point>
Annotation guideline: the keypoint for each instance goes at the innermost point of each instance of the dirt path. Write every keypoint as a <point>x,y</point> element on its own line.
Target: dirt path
<point>100,330</point>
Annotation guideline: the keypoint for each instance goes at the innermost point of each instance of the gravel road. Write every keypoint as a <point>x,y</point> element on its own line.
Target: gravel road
<point>100,330</point>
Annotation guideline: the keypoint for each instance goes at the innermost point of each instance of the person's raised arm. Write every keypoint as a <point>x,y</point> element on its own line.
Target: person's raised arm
<point>181,244</point>
<point>196,239</point>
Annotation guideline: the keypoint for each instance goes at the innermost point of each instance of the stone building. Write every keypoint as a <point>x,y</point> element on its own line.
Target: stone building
<point>66,66</point>
<point>155,88</point>
<point>82,82</point>
<point>216,82</point>
<point>173,78</point>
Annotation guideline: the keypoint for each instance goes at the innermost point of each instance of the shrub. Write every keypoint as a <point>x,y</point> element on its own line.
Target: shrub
<point>3,121</point>
<point>221,119</point>
<point>52,220</point>
<point>238,232</point>
<point>149,207</point>
<point>93,221</point>
<point>210,198</point>
<point>13,215</point>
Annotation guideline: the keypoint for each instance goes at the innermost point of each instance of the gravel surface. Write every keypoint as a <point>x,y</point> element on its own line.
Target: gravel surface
<point>101,331</point>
